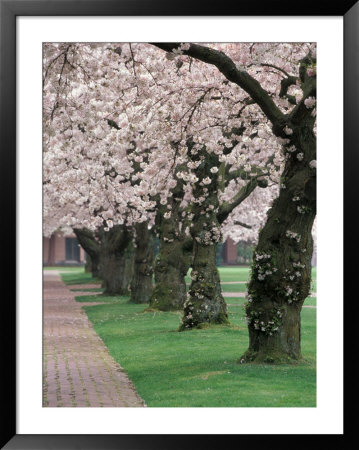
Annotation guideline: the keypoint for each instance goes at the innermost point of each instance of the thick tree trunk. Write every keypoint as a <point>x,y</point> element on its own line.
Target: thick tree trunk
<point>95,265</point>
<point>88,263</point>
<point>174,257</point>
<point>117,270</point>
<point>141,284</point>
<point>205,303</point>
<point>117,258</point>
<point>171,266</point>
<point>92,247</point>
<point>281,270</point>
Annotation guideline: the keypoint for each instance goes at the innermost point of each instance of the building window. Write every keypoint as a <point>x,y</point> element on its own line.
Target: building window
<point>72,249</point>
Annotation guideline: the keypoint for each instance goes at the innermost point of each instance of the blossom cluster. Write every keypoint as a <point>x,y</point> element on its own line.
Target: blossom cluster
<point>293,235</point>
<point>124,124</point>
<point>262,265</point>
<point>269,325</point>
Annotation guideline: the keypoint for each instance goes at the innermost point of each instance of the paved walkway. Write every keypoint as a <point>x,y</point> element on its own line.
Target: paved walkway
<point>233,294</point>
<point>78,370</point>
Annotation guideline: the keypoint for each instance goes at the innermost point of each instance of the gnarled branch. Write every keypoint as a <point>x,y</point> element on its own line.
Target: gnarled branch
<point>228,68</point>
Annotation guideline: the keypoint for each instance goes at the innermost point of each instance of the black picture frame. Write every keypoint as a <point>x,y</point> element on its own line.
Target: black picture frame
<point>9,10</point>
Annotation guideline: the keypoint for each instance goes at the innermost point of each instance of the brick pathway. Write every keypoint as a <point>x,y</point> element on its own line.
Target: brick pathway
<point>77,368</point>
<point>234,294</point>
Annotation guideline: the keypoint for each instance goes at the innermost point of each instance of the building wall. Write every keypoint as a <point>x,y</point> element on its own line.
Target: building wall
<point>230,254</point>
<point>54,251</point>
<point>45,250</point>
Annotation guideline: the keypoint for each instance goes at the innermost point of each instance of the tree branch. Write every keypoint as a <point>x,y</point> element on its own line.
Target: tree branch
<point>228,68</point>
<point>227,207</point>
<point>242,224</point>
<point>87,241</point>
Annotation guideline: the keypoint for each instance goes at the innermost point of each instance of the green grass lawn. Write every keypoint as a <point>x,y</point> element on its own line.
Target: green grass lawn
<point>87,290</point>
<point>234,287</point>
<point>74,275</point>
<point>77,275</point>
<point>314,279</point>
<point>78,278</point>
<point>235,273</point>
<point>199,367</point>
<point>65,268</point>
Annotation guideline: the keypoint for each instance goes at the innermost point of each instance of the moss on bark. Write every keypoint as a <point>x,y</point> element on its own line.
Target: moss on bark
<point>205,303</point>
<point>174,257</point>
<point>281,269</point>
<point>117,259</point>
<point>171,266</point>
<point>141,283</point>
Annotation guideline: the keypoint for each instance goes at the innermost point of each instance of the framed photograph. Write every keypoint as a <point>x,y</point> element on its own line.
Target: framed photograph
<point>37,38</point>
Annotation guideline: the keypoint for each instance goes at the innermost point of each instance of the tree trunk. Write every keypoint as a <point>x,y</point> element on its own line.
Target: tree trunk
<point>117,257</point>
<point>94,265</point>
<point>174,257</point>
<point>88,263</point>
<point>117,270</point>
<point>281,269</point>
<point>141,284</point>
<point>92,247</point>
<point>171,266</point>
<point>205,303</point>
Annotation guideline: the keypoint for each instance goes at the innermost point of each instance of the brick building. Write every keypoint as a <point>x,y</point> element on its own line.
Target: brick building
<point>65,250</point>
<point>61,250</point>
<point>229,252</point>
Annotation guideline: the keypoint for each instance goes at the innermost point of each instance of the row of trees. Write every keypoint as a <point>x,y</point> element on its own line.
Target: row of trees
<point>187,142</point>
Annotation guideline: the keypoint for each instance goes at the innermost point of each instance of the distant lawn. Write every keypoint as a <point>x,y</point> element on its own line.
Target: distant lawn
<point>241,273</point>
<point>87,290</point>
<point>312,301</point>
<point>314,279</point>
<point>234,287</point>
<point>199,367</point>
<point>101,298</point>
<point>77,276</point>
<point>235,273</point>
<point>309,301</point>
<point>66,268</point>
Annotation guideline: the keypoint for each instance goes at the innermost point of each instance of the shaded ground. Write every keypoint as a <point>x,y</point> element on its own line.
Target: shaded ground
<point>77,368</point>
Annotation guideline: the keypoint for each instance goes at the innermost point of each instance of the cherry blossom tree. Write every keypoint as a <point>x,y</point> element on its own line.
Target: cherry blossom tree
<point>281,270</point>
<point>130,166</point>
<point>180,138</point>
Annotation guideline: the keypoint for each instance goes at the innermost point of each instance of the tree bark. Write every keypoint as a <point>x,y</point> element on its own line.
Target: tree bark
<point>171,266</point>
<point>205,304</point>
<point>141,284</point>
<point>281,270</point>
<point>172,262</point>
<point>88,263</point>
<point>175,254</point>
<point>117,260</point>
<point>92,247</point>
